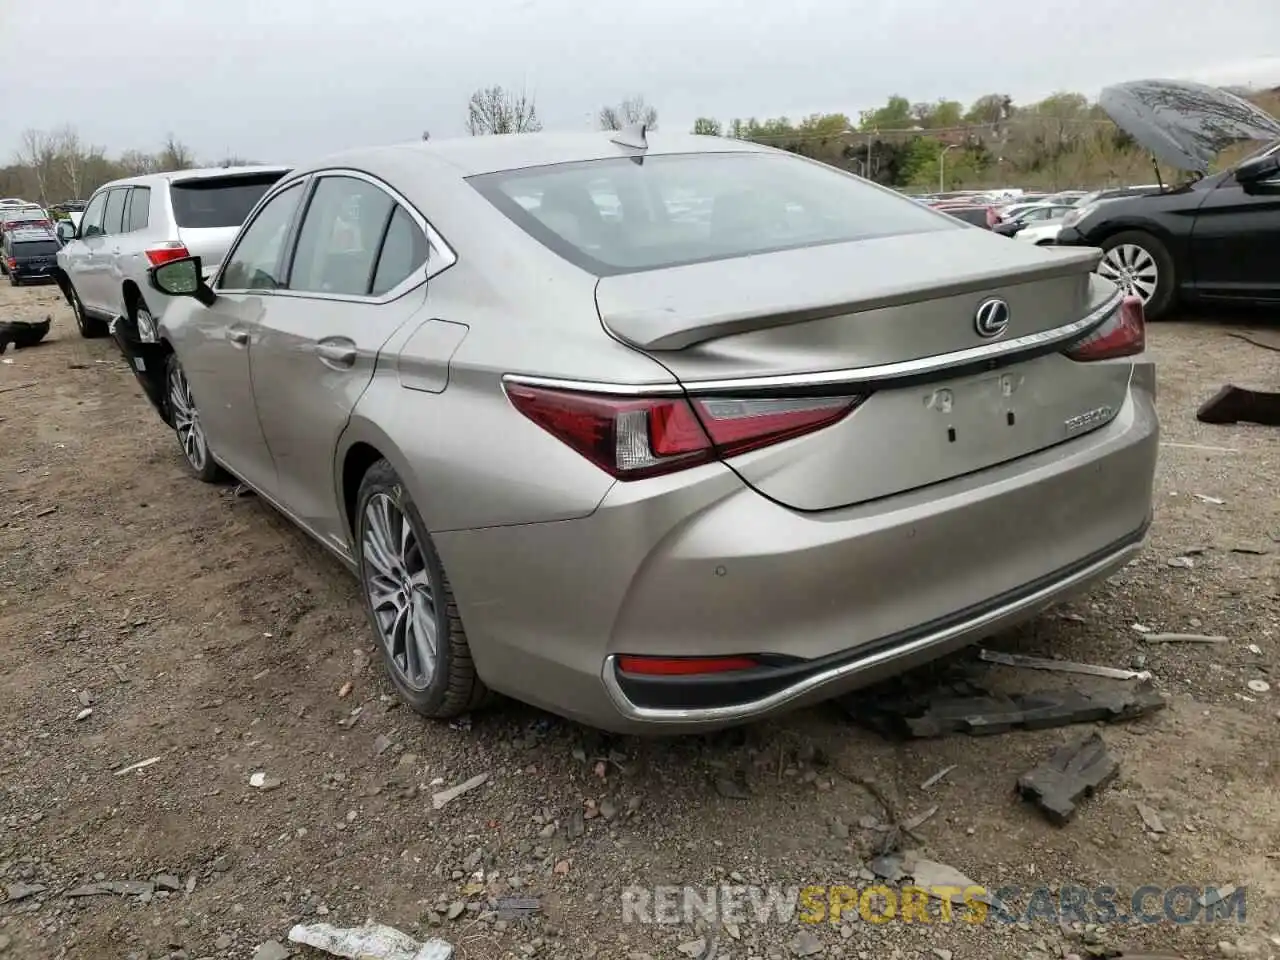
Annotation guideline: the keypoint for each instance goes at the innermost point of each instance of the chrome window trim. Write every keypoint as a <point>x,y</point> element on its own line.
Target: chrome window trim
<point>849,376</point>
<point>444,255</point>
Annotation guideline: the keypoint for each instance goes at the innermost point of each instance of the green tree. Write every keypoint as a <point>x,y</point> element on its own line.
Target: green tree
<point>894,115</point>
<point>939,115</point>
<point>707,127</point>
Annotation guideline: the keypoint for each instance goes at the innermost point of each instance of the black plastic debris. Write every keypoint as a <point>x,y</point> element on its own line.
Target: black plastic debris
<point>1071,773</point>
<point>964,707</point>
<point>23,333</point>
<point>1237,405</point>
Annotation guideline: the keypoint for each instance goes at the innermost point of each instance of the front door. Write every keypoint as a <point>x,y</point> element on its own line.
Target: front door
<point>357,275</point>
<point>78,254</point>
<point>216,344</point>
<point>1233,242</point>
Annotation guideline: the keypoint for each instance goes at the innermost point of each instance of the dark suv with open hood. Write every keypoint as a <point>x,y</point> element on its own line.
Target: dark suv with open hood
<point>1213,238</point>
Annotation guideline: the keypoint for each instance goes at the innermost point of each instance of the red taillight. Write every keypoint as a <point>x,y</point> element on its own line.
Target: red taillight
<point>13,264</point>
<point>633,438</point>
<point>683,666</point>
<point>165,252</point>
<point>1123,335</point>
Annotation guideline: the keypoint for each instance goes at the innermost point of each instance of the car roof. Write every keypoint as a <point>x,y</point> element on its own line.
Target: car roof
<point>470,156</point>
<point>198,173</point>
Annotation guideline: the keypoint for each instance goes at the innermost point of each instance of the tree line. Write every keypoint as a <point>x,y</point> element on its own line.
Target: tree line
<point>1061,141</point>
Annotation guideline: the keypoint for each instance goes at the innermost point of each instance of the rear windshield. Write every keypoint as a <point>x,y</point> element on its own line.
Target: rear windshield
<point>218,201</point>
<point>34,248</point>
<point>622,216</point>
<point>18,214</point>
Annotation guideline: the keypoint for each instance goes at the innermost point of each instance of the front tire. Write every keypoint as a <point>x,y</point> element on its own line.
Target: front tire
<point>89,327</point>
<point>410,603</point>
<point>186,424</point>
<point>1140,264</point>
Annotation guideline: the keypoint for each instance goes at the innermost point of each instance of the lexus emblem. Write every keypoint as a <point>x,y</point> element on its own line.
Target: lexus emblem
<point>991,318</point>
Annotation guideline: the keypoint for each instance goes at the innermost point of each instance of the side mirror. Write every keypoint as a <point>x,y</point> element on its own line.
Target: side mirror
<point>1259,169</point>
<point>181,278</point>
<point>66,231</point>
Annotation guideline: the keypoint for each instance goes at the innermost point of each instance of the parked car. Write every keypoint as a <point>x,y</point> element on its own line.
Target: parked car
<point>653,474</point>
<point>1041,212</point>
<point>16,217</point>
<point>977,215</point>
<point>133,224</point>
<point>29,254</point>
<point>1210,239</point>
<point>1066,198</point>
<point>15,202</point>
<point>1043,233</point>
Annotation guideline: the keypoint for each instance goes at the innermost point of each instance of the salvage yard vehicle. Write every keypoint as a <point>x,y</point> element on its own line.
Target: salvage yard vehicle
<point>29,254</point>
<point>130,225</point>
<point>1210,239</point>
<point>659,471</point>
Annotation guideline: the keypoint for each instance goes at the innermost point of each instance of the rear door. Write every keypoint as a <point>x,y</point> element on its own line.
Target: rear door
<point>358,273</point>
<point>208,211</point>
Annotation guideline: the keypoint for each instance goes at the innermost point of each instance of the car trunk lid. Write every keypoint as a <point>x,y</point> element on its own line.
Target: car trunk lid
<point>894,319</point>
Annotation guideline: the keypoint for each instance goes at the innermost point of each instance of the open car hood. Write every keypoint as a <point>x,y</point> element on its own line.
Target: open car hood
<point>1185,124</point>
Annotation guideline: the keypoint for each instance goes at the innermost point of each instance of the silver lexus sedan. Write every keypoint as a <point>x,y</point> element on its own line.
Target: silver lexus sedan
<point>659,432</point>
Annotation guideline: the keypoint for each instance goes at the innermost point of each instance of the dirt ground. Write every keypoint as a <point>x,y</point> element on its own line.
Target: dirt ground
<point>204,631</point>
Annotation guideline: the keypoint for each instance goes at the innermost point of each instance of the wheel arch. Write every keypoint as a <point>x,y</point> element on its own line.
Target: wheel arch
<point>361,446</point>
<point>132,294</point>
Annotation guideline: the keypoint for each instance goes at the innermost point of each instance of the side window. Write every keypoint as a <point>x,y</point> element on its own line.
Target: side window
<point>338,242</point>
<point>404,250</point>
<point>91,222</point>
<point>113,219</point>
<point>254,264</point>
<point>139,209</point>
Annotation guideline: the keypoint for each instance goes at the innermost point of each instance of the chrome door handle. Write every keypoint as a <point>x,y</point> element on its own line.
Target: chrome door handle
<point>239,337</point>
<point>337,353</point>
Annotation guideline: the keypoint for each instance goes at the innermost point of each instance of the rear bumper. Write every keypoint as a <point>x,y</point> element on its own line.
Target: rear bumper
<point>699,565</point>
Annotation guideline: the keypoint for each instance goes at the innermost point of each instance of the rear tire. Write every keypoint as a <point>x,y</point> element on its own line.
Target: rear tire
<point>410,603</point>
<point>185,418</point>
<point>1140,263</point>
<point>90,328</point>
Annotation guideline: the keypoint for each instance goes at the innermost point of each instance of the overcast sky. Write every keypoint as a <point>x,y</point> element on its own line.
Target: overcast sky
<point>283,80</point>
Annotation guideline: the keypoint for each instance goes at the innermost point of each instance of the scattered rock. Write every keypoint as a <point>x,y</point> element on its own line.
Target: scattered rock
<point>444,797</point>
<point>381,744</point>
<point>805,944</point>
<point>167,881</point>
<point>21,891</point>
<point>84,714</point>
<point>731,789</point>
<point>272,950</point>
<point>264,782</point>
<point>1258,686</point>
<point>1150,819</point>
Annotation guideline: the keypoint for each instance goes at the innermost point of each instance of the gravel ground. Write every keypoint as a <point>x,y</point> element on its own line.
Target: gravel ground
<point>203,631</point>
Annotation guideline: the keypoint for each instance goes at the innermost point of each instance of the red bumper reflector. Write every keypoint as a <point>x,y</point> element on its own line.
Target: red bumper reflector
<point>684,666</point>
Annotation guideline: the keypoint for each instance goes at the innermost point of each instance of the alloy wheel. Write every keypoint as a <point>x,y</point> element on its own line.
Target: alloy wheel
<point>401,590</point>
<point>186,419</point>
<point>1132,268</point>
<point>146,325</point>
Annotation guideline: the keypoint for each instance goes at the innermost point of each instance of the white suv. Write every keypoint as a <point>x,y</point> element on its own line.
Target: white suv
<point>132,225</point>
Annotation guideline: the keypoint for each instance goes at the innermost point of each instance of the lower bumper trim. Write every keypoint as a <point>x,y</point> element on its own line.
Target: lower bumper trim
<point>737,696</point>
